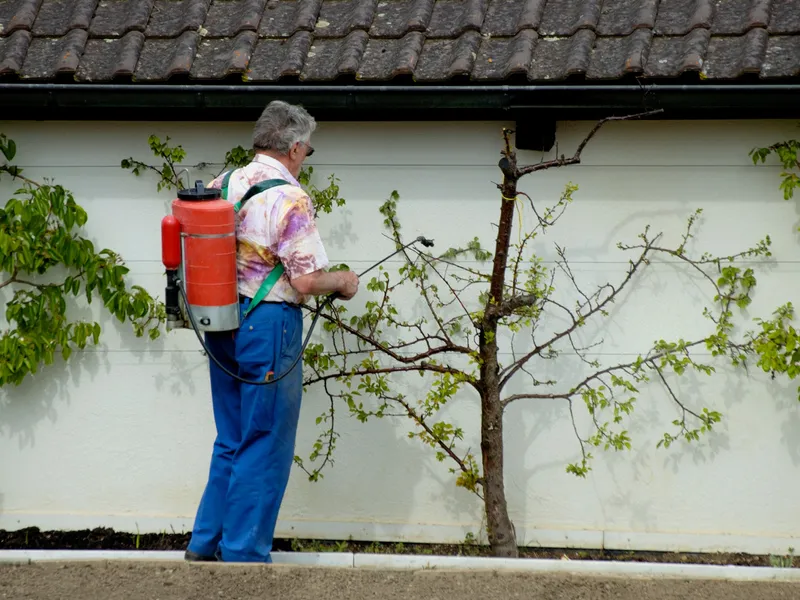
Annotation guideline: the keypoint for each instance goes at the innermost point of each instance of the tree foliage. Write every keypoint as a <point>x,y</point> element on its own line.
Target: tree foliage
<point>45,265</point>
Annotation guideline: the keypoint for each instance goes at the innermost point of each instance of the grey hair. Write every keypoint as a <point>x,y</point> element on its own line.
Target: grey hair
<point>281,126</point>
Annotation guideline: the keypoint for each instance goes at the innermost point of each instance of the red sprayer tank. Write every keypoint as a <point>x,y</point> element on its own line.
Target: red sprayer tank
<point>207,247</point>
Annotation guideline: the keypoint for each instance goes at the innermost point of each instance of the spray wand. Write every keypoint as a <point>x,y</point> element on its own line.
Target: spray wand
<point>427,242</point>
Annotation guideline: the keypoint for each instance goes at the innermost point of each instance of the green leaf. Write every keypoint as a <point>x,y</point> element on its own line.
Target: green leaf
<point>8,148</point>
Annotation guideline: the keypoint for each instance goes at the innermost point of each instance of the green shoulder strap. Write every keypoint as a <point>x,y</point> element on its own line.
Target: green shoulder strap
<point>256,189</point>
<point>277,271</point>
<point>225,181</point>
<point>261,186</point>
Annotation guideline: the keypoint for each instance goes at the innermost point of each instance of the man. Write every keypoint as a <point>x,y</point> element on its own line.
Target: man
<point>256,424</point>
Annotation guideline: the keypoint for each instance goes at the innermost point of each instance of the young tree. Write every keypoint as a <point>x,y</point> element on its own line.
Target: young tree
<point>457,342</point>
<point>45,262</point>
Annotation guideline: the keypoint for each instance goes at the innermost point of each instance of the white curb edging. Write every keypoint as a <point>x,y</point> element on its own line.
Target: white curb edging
<point>314,559</point>
<point>317,559</point>
<point>418,562</point>
<point>578,567</point>
<point>17,556</point>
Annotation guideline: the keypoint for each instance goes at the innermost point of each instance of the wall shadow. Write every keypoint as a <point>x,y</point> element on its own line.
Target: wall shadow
<point>790,430</point>
<point>41,396</point>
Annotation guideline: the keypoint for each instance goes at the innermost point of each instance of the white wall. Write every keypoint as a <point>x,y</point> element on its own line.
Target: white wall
<point>121,436</point>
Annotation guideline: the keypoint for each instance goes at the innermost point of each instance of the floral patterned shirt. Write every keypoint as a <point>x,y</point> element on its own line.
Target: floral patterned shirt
<point>275,225</point>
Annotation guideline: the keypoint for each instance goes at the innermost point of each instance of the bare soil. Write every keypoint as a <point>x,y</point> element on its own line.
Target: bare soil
<point>167,581</point>
<point>108,539</point>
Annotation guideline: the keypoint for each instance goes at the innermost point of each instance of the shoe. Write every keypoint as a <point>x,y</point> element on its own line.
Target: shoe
<point>195,557</point>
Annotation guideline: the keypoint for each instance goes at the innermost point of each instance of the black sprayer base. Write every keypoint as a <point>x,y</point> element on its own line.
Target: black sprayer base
<point>171,305</point>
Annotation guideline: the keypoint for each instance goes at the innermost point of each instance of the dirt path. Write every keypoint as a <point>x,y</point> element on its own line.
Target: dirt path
<point>167,581</point>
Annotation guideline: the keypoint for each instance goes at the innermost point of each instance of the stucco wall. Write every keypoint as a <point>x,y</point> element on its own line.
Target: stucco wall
<point>121,435</point>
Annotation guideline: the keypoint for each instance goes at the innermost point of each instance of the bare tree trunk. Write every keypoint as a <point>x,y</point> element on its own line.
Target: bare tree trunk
<point>502,538</point>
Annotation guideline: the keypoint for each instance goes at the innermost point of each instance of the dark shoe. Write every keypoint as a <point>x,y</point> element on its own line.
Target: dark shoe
<point>195,557</point>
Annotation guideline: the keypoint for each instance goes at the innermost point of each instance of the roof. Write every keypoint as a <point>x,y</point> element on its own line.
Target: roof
<point>381,41</point>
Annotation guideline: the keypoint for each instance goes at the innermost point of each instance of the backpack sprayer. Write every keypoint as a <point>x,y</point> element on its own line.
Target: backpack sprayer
<point>198,250</point>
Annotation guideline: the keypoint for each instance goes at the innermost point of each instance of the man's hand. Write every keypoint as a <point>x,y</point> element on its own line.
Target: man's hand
<point>349,285</point>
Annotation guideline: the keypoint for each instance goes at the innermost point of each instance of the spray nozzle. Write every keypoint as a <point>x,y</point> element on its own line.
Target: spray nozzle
<point>427,242</point>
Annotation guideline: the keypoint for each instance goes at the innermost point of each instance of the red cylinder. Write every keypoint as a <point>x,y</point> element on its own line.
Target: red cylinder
<point>209,251</point>
<point>171,242</point>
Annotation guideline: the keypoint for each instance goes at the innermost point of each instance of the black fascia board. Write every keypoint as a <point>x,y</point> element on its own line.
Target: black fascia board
<point>243,102</point>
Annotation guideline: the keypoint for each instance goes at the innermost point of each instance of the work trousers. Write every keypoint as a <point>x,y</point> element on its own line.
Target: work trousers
<point>256,429</point>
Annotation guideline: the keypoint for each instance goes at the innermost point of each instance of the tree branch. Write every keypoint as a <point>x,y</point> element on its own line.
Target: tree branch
<point>331,439</point>
<point>675,397</point>
<point>512,304</point>
<point>384,300</point>
<point>15,175</point>
<point>447,347</point>
<point>446,447</point>
<point>139,163</point>
<point>576,158</point>
<point>577,435</point>
<point>509,372</point>
<point>649,360</point>
<point>424,366</point>
<point>10,280</point>
<point>450,287</point>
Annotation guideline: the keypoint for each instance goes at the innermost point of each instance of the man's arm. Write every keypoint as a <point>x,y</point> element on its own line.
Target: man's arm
<point>302,253</point>
<point>322,282</point>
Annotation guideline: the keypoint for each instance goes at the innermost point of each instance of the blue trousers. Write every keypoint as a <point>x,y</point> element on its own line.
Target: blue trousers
<point>256,428</point>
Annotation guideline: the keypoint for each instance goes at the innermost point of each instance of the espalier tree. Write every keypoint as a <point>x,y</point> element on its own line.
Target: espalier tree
<point>363,359</point>
<point>45,263</point>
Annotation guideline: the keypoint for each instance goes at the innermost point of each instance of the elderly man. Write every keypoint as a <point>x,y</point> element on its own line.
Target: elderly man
<point>279,251</point>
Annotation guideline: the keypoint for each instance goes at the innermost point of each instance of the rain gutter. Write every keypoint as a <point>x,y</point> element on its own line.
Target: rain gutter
<point>193,101</point>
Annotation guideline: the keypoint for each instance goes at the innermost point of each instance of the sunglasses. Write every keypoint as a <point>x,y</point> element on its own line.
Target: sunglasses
<point>310,150</point>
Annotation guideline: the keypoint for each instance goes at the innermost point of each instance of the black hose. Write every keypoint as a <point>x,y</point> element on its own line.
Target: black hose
<point>330,298</point>
<point>233,375</point>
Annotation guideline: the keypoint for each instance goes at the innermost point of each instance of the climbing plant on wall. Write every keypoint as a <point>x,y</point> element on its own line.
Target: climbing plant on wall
<point>787,154</point>
<point>47,264</point>
<point>778,348</point>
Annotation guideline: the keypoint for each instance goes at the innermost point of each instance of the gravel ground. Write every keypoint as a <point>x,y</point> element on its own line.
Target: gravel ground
<point>119,580</point>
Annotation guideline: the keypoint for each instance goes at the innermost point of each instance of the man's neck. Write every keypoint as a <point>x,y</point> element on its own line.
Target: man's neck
<point>281,158</point>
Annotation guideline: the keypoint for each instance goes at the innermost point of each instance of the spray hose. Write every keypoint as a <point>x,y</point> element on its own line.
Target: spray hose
<point>428,243</point>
